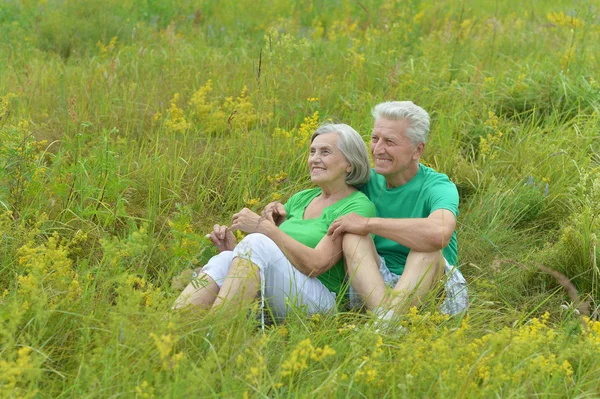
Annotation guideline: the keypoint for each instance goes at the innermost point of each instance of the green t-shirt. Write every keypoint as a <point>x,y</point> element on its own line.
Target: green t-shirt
<point>423,194</point>
<point>310,231</point>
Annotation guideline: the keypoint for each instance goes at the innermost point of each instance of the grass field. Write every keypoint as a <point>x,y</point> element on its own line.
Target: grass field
<point>128,128</point>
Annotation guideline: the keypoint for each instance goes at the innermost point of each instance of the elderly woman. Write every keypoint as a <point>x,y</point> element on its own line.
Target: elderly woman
<point>291,260</point>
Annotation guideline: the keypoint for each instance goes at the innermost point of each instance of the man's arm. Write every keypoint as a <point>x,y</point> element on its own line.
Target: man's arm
<point>428,234</point>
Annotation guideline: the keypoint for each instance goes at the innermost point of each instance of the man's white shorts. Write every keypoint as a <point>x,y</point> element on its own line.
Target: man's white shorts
<point>455,285</point>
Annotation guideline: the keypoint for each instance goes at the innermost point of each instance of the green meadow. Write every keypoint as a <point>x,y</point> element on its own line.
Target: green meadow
<point>128,128</point>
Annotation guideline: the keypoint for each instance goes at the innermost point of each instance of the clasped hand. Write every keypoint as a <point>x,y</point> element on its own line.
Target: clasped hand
<point>222,237</point>
<point>247,221</point>
<point>275,212</point>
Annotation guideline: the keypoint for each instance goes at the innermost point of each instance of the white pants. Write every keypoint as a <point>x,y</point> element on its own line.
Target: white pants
<point>281,284</point>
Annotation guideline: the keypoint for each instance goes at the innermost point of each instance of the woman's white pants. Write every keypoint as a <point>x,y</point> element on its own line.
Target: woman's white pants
<point>281,285</point>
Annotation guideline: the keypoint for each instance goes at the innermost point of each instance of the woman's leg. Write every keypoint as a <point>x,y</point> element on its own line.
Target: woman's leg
<point>259,264</point>
<point>203,290</point>
<point>241,284</point>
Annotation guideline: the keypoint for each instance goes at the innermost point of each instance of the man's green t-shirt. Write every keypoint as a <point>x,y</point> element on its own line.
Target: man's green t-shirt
<point>310,231</point>
<point>423,194</point>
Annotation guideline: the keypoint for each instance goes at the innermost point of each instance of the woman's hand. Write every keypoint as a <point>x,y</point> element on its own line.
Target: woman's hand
<point>222,238</point>
<point>247,221</point>
<point>274,212</point>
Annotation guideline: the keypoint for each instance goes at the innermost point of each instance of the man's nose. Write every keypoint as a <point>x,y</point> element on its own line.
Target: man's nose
<point>377,148</point>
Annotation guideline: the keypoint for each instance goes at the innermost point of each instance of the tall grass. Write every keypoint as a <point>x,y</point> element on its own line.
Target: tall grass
<point>127,129</point>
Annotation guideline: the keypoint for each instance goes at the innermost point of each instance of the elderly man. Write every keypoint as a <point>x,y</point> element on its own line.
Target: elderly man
<point>414,241</point>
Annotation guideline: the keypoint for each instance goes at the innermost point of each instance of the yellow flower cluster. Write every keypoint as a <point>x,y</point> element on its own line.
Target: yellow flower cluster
<point>564,21</point>
<point>4,106</point>
<point>206,111</point>
<point>356,58</point>
<point>485,364</point>
<point>343,28</point>
<point>276,181</point>
<point>489,144</point>
<point>165,344</point>
<point>252,202</point>
<point>368,369</point>
<point>307,129</point>
<point>260,365</point>
<point>254,364</point>
<point>175,117</point>
<point>144,390</point>
<point>593,331</point>
<point>49,276</point>
<point>301,355</point>
<point>283,43</point>
<point>210,116</point>
<point>141,291</point>
<point>302,135</point>
<point>15,373</point>
<point>568,57</point>
<point>108,48</point>
<point>241,112</point>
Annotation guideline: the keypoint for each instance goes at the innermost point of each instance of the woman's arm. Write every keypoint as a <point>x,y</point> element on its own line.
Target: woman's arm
<point>309,261</point>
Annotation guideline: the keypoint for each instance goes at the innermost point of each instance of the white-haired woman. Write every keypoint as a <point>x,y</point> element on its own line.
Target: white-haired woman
<point>289,259</point>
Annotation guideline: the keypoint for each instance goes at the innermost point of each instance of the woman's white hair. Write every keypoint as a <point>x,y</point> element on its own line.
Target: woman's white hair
<point>418,119</point>
<point>354,149</point>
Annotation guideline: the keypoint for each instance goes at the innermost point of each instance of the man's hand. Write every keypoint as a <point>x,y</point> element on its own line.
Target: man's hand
<point>350,223</point>
<point>247,221</point>
<point>274,212</point>
<point>222,238</point>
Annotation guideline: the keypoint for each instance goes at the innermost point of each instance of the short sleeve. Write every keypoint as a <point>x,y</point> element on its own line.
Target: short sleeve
<point>289,205</point>
<point>444,195</point>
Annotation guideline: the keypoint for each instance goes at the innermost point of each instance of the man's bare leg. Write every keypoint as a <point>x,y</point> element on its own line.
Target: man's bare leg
<point>201,293</point>
<point>423,270</point>
<point>362,267</point>
<point>241,284</point>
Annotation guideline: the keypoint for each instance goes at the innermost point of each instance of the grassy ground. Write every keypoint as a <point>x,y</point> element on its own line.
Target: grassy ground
<point>127,129</point>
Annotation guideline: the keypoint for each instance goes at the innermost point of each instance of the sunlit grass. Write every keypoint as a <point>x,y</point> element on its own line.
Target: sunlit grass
<point>127,129</point>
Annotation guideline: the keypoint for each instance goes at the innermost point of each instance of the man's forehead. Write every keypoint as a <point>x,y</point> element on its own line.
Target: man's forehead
<point>390,127</point>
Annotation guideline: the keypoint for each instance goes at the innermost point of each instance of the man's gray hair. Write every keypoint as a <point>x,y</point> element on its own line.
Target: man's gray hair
<point>417,117</point>
<point>354,149</point>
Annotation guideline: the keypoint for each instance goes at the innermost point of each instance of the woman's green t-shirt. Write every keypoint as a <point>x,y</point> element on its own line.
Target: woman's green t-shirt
<point>310,231</point>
